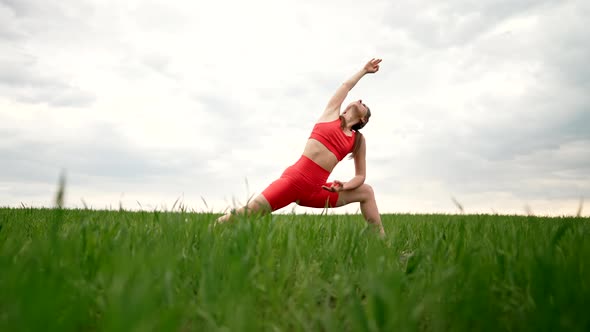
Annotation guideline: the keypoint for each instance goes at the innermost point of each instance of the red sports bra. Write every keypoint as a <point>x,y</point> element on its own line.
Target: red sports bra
<point>332,137</point>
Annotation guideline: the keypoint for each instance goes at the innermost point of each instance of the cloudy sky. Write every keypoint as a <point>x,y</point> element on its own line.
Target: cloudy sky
<point>143,102</point>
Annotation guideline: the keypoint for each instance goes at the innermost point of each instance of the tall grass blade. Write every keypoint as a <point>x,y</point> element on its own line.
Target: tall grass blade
<point>61,190</point>
<point>458,205</point>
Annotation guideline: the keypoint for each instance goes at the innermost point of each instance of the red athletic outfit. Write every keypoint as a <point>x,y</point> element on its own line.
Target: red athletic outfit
<point>302,182</point>
<point>331,136</point>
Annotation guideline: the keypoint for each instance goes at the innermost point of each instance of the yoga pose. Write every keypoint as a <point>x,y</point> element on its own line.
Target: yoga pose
<point>334,136</point>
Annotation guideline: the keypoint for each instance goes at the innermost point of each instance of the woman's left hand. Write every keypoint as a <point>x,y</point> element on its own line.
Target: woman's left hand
<point>335,187</point>
<point>373,66</point>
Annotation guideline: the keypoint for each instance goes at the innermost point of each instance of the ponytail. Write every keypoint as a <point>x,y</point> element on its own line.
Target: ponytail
<point>358,140</point>
<point>358,137</point>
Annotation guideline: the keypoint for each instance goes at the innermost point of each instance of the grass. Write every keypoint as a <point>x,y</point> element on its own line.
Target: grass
<point>86,270</point>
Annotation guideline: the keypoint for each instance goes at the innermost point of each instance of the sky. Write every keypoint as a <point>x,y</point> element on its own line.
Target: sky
<point>144,103</point>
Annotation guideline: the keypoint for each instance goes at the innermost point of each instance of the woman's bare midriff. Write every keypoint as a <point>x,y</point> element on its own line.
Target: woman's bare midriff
<point>320,154</point>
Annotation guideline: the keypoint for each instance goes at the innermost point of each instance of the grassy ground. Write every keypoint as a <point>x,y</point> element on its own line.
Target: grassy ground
<point>82,270</point>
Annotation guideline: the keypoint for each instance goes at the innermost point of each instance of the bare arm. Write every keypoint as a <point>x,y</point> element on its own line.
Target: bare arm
<point>338,98</point>
<point>360,166</point>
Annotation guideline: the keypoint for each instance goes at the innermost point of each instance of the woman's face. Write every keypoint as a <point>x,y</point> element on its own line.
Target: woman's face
<point>358,109</point>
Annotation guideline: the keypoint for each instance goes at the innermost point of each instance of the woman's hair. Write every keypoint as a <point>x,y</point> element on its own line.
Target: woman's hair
<point>359,136</point>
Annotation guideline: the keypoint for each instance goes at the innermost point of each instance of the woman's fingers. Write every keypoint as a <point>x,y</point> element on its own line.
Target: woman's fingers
<point>332,188</point>
<point>375,61</point>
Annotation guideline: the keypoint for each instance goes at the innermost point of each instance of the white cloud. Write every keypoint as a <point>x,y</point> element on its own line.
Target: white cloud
<point>146,100</point>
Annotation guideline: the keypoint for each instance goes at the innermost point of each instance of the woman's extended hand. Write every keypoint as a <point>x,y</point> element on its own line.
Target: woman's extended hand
<point>335,187</point>
<point>372,66</point>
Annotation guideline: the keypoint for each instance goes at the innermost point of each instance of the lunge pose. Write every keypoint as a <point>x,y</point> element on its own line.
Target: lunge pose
<point>334,136</point>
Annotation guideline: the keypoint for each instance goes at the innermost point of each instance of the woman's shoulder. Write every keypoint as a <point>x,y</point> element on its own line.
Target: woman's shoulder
<point>328,119</point>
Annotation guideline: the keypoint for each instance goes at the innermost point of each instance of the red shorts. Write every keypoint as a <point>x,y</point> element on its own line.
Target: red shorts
<point>301,183</point>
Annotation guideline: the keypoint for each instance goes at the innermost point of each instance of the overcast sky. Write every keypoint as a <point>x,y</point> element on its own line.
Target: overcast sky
<point>143,102</point>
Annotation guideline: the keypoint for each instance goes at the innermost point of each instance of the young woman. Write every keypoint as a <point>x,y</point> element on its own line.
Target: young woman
<point>334,136</point>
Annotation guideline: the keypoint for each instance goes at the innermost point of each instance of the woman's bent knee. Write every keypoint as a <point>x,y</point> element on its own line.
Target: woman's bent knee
<point>367,188</point>
<point>360,194</point>
<point>367,191</point>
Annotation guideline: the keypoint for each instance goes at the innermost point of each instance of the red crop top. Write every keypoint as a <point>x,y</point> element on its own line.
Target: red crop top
<point>332,137</point>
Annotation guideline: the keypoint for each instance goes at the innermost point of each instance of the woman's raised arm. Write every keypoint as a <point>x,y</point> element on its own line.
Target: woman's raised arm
<point>338,98</point>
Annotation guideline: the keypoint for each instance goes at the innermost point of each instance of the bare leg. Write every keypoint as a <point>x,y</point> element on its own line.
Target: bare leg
<point>365,195</point>
<point>258,205</point>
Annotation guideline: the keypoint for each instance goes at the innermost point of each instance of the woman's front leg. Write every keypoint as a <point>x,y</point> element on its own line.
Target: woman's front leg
<point>365,195</point>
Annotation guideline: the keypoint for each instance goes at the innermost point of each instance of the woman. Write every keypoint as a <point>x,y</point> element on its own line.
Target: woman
<point>333,137</point>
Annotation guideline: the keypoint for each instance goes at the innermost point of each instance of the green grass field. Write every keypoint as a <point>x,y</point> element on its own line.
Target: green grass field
<point>83,270</point>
